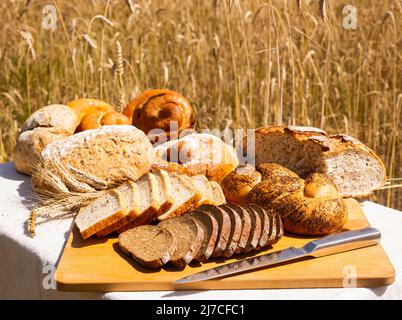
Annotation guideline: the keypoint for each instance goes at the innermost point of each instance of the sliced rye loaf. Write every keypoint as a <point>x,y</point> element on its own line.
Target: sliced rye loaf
<point>265,225</point>
<point>246,226</point>
<point>101,213</point>
<point>188,236</point>
<point>279,227</point>
<point>273,230</point>
<point>210,227</point>
<point>149,245</point>
<point>235,232</point>
<point>131,195</point>
<point>204,189</point>
<point>219,197</point>
<point>224,227</point>
<point>185,195</point>
<point>253,240</point>
<point>149,202</point>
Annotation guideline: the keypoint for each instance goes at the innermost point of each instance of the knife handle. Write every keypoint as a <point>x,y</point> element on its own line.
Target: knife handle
<point>343,241</point>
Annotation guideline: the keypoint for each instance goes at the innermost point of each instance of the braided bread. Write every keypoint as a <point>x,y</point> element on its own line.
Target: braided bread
<point>157,109</point>
<point>308,207</point>
<point>353,167</point>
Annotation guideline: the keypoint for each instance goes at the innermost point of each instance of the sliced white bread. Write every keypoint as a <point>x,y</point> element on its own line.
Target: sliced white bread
<point>166,199</point>
<point>219,197</point>
<point>131,194</point>
<point>101,213</point>
<point>149,201</point>
<point>204,189</point>
<point>185,194</point>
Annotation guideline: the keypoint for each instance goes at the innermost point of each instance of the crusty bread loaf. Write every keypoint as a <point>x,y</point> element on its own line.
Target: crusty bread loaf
<point>111,154</point>
<point>197,153</point>
<point>48,124</point>
<point>307,207</point>
<point>354,168</point>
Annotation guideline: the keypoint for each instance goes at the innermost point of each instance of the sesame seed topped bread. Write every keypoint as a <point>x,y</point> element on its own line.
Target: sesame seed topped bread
<point>149,245</point>
<point>308,207</point>
<point>355,168</point>
<point>102,212</point>
<point>188,236</point>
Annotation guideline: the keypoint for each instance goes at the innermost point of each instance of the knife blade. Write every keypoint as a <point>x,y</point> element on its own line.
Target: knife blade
<point>332,244</point>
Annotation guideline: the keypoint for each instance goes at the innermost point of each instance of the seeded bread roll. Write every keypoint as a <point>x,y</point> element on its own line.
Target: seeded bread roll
<point>149,245</point>
<point>237,184</point>
<point>188,236</point>
<point>307,207</point>
<point>355,169</point>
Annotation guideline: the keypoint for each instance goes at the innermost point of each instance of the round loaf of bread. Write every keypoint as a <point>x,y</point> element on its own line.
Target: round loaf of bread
<point>197,153</point>
<point>307,207</point>
<point>238,183</point>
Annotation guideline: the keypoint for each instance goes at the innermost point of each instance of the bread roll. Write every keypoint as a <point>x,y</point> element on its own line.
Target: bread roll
<point>238,183</point>
<point>311,207</point>
<point>354,168</point>
<point>157,109</point>
<point>197,153</point>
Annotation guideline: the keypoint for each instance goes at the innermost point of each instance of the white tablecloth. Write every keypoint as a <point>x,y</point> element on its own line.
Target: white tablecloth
<point>26,264</point>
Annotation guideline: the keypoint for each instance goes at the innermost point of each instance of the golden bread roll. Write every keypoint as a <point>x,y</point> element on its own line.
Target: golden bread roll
<point>238,183</point>
<point>158,108</point>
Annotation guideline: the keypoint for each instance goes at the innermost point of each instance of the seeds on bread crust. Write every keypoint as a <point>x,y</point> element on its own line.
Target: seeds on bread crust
<point>149,245</point>
<point>209,226</point>
<point>188,237</point>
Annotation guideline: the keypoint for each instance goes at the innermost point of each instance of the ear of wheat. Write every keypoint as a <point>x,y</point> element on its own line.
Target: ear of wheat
<point>119,70</point>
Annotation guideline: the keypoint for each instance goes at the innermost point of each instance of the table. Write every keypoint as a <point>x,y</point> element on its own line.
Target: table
<point>27,265</point>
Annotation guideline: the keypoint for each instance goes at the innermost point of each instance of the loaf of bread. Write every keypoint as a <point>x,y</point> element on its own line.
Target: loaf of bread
<point>210,231</point>
<point>353,167</point>
<point>198,153</point>
<point>308,207</point>
<point>160,195</point>
<point>160,109</point>
<point>100,158</point>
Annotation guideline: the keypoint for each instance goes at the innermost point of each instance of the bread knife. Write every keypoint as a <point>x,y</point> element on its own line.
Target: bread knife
<point>332,244</point>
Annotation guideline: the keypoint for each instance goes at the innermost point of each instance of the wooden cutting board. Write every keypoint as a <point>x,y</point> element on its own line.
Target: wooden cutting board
<point>99,265</point>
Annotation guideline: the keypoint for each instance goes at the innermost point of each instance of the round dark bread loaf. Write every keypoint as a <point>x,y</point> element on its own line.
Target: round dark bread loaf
<point>224,227</point>
<point>235,232</point>
<point>210,227</point>
<point>149,245</point>
<point>188,236</point>
<point>246,226</point>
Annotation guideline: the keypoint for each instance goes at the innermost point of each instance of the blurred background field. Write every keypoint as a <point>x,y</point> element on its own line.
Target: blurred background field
<point>241,64</point>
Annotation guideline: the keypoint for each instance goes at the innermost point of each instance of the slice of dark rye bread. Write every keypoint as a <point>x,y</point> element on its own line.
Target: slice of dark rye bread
<point>246,226</point>
<point>235,232</point>
<point>149,245</point>
<point>279,227</point>
<point>265,224</point>
<point>188,236</point>
<point>253,240</point>
<point>224,227</point>
<point>210,226</point>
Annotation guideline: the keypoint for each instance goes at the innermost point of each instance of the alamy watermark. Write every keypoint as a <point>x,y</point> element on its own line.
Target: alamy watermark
<point>49,20</point>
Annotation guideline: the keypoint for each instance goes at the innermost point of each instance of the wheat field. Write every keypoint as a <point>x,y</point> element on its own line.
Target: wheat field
<point>240,63</point>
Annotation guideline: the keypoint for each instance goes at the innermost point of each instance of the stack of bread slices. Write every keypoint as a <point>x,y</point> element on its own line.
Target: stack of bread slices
<point>156,195</point>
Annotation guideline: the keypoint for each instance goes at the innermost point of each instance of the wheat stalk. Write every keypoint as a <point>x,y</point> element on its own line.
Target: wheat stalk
<point>119,70</point>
